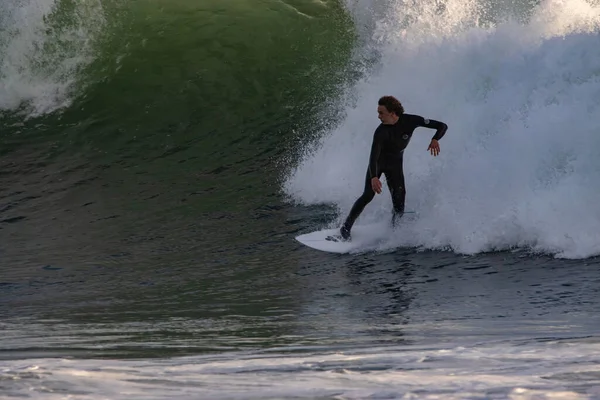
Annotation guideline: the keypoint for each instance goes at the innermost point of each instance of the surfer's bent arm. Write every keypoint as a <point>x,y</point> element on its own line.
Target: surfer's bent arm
<point>440,127</point>
<point>375,152</point>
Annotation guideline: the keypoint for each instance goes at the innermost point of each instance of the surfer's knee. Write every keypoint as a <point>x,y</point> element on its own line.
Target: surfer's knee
<point>398,193</point>
<point>367,196</point>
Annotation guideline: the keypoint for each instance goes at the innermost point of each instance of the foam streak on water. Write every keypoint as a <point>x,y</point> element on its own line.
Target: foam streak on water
<point>518,166</point>
<point>550,369</point>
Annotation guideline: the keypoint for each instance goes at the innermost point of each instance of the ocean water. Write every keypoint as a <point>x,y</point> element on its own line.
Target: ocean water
<point>157,160</point>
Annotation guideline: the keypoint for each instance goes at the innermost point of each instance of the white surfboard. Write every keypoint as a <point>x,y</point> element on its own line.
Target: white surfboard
<point>364,238</point>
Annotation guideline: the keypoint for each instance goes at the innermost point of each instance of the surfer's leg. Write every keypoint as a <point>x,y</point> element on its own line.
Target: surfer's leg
<point>358,207</point>
<point>395,180</point>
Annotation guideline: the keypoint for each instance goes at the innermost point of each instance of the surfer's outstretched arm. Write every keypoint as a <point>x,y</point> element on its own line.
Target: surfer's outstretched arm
<point>440,131</point>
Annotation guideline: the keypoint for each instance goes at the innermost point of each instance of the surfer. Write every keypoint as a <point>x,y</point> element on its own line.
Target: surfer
<point>389,141</point>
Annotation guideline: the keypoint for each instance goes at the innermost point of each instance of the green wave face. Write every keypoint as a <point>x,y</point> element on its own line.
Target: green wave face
<point>157,75</point>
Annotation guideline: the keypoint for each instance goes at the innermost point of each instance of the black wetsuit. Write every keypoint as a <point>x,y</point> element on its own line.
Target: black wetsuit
<point>389,142</point>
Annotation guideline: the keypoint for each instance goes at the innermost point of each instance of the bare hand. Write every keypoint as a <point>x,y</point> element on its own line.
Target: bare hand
<point>434,148</point>
<point>376,185</point>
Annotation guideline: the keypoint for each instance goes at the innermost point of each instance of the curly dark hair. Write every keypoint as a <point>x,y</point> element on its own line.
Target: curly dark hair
<point>391,104</point>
